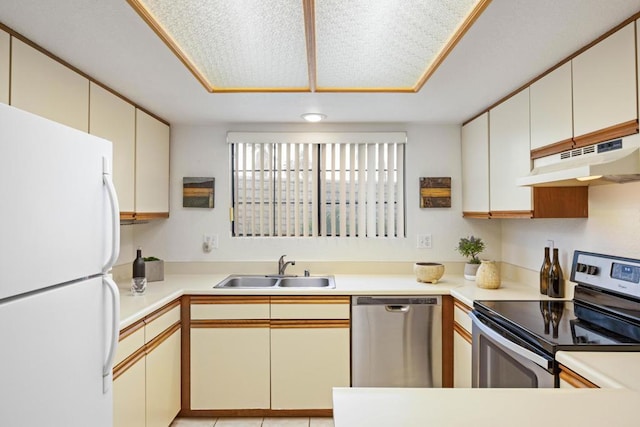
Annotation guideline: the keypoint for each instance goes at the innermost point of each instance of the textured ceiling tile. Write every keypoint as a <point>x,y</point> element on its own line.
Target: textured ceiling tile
<point>248,44</point>
<point>382,43</point>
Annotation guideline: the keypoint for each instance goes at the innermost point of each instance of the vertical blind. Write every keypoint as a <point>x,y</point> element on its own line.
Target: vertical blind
<point>323,184</point>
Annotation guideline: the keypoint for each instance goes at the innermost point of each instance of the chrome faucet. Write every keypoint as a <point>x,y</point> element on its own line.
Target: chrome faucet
<point>282,266</point>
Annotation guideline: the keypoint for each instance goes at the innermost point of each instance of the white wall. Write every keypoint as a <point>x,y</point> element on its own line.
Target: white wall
<point>432,150</point>
<point>613,227</point>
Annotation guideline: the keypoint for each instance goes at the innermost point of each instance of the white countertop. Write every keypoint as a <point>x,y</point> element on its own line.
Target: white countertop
<point>604,369</point>
<point>384,407</point>
<point>133,308</point>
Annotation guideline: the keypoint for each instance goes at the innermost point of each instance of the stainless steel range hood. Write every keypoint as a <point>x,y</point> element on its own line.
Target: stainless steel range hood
<point>616,161</point>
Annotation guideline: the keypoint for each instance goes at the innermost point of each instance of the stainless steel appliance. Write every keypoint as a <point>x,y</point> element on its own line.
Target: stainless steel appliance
<point>396,341</point>
<point>514,342</point>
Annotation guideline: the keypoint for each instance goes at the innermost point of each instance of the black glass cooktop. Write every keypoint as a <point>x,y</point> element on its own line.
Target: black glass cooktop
<point>560,325</point>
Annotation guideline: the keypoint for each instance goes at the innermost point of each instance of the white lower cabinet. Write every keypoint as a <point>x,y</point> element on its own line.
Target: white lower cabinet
<point>462,375</point>
<point>129,396</point>
<point>268,353</point>
<point>306,363</point>
<point>163,382</point>
<point>147,374</point>
<point>230,366</point>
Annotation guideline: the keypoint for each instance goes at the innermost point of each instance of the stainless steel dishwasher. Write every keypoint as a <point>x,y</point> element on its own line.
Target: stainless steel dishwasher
<point>396,341</point>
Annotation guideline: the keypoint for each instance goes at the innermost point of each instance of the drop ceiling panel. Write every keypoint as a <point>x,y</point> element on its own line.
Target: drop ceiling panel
<point>382,44</point>
<point>235,44</point>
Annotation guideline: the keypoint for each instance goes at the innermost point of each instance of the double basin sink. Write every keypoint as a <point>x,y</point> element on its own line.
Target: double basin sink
<point>267,282</point>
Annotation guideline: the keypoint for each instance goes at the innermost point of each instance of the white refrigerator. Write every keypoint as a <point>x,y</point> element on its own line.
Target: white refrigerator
<point>59,308</point>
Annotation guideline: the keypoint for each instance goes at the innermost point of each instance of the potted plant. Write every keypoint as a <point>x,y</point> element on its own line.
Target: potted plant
<point>470,247</point>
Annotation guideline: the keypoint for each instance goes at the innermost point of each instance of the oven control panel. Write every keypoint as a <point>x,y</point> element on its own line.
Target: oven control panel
<point>617,274</point>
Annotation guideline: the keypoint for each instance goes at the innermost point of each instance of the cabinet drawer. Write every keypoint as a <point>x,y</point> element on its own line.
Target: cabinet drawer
<point>310,307</point>
<point>131,339</point>
<point>158,322</point>
<point>203,308</point>
<point>461,317</point>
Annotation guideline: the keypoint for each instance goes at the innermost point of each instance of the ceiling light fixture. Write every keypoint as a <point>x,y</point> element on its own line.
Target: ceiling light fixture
<point>314,117</point>
<point>311,45</point>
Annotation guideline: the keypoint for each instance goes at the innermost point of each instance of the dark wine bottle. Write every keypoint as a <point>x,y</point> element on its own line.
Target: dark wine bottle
<point>556,279</point>
<point>139,277</point>
<point>544,272</point>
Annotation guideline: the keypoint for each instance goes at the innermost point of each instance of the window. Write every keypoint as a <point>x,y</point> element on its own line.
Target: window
<point>318,184</point>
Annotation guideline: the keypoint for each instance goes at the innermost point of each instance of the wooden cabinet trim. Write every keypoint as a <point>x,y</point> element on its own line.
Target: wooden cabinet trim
<point>457,328</point>
<point>612,132</point>
<point>127,216</point>
<point>462,306</point>
<point>129,330</point>
<point>310,300</point>
<point>309,324</point>
<point>127,363</point>
<point>256,413</point>
<point>550,149</point>
<point>215,323</point>
<point>479,215</point>
<point>235,299</point>
<point>574,379</point>
<point>185,357</point>
<point>447,341</point>
<point>161,311</point>
<point>154,343</point>
<point>146,216</point>
<point>512,214</point>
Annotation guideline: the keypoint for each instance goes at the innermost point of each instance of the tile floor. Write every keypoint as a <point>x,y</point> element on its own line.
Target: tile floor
<point>253,422</point>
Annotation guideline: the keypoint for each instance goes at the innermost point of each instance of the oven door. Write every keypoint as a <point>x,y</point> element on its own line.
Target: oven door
<point>502,360</point>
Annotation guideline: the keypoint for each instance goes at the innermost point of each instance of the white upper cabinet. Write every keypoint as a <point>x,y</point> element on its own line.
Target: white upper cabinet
<point>5,51</point>
<point>45,87</point>
<point>112,118</point>
<point>551,108</point>
<point>152,167</point>
<point>475,167</point>
<point>509,154</point>
<point>605,85</point>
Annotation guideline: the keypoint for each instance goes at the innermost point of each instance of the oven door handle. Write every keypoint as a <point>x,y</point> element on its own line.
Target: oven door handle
<point>519,350</point>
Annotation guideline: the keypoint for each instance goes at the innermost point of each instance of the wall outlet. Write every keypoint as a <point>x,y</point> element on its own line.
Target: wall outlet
<point>424,241</point>
<point>209,242</point>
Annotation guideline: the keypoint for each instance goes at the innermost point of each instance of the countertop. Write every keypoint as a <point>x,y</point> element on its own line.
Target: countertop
<point>133,308</point>
<point>383,407</point>
<point>604,369</point>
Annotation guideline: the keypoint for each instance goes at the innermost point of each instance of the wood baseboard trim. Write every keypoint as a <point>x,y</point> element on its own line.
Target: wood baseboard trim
<point>256,413</point>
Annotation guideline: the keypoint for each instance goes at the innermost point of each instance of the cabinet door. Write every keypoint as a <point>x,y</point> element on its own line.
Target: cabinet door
<point>551,109</point>
<point>114,119</point>
<point>152,166</point>
<point>475,167</point>
<point>163,381</point>
<point>230,365</point>
<point>307,362</point>
<point>461,361</point>
<point>45,87</point>
<point>129,396</point>
<point>5,41</point>
<point>605,85</point>
<point>509,156</point>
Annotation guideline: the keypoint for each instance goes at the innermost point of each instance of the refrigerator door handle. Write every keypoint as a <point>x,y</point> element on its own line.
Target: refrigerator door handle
<point>114,215</point>
<point>107,369</point>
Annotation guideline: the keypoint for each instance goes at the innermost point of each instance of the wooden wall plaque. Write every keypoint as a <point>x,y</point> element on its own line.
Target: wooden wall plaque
<point>435,192</point>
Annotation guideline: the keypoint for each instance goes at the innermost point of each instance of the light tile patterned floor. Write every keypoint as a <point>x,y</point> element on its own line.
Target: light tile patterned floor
<point>253,422</point>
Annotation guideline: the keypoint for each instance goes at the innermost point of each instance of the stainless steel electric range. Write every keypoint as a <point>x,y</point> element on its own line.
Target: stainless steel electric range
<point>514,342</point>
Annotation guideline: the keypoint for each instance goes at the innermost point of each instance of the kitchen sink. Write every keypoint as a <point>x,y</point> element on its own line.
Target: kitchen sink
<point>266,282</point>
<point>306,282</point>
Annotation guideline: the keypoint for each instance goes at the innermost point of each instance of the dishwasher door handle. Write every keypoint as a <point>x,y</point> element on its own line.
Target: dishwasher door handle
<point>397,308</point>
